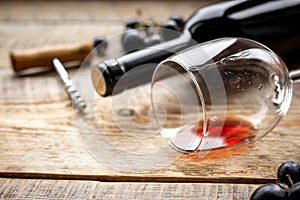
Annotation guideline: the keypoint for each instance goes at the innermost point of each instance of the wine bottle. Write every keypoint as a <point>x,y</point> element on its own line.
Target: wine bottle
<point>273,23</point>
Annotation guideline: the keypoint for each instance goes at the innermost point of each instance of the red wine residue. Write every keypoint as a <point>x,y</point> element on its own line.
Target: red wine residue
<point>226,133</point>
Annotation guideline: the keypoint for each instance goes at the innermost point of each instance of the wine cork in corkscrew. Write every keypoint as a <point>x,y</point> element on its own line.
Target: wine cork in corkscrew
<point>26,59</point>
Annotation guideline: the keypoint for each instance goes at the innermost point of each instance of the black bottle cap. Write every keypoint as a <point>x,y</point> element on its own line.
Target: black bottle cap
<point>105,75</point>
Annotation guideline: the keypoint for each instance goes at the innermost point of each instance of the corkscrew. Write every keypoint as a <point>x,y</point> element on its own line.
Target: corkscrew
<point>75,96</point>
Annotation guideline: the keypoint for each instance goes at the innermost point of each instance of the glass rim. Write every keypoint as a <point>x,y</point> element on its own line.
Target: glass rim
<point>199,96</point>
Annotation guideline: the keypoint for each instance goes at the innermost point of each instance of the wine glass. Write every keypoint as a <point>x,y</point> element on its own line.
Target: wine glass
<point>220,94</point>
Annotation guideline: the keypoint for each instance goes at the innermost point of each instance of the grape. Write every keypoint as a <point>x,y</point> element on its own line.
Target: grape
<point>133,23</point>
<point>169,30</point>
<point>269,192</point>
<point>170,24</point>
<point>178,19</point>
<point>100,44</point>
<point>132,40</point>
<point>289,168</point>
<point>294,193</point>
<point>153,40</point>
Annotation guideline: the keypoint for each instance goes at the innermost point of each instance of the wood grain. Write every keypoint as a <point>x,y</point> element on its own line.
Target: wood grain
<point>38,135</point>
<point>55,189</point>
<point>94,12</point>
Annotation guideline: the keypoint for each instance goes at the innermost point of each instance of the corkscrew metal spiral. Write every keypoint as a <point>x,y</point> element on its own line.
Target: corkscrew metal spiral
<point>75,96</point>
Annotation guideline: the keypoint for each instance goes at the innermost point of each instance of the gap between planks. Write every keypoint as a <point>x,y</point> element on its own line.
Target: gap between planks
<point>135,178</point>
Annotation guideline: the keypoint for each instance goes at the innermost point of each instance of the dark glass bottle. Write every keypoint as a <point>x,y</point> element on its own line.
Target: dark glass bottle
<point>274,23</point>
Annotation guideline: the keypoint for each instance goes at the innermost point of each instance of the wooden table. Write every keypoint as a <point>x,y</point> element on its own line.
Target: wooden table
<point>41,152</point>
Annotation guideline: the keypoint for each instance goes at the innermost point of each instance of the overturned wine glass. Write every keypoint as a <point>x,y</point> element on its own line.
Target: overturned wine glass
<point>220,94</point>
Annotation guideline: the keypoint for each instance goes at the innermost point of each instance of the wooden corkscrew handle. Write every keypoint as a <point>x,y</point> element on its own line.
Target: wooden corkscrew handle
<point>42,57</point>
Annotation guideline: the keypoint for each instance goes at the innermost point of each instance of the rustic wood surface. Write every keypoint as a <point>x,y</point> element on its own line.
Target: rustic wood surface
<point>39,138</point>
<point>66,189</point>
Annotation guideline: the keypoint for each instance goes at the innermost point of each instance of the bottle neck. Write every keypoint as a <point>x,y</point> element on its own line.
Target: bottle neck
<point>154,54</point>
<point>106,74</point>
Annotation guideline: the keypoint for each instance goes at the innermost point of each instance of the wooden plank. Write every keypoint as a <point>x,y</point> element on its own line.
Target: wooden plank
<point>38,136</point>
<point>80,11</point>
<point>48,22</point>
<point>62,189</point>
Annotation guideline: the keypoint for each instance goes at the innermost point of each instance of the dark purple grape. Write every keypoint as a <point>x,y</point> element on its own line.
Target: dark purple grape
<point>294,193</point>
<point>178,19</point>
<point>153,40</point>
<point>100,44</point>
<point>170,30</point>
<point>171,24</point>
<point>132,40</point>
<point>269,192</point>
<point>133,23</point>
<point>288,168</point>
